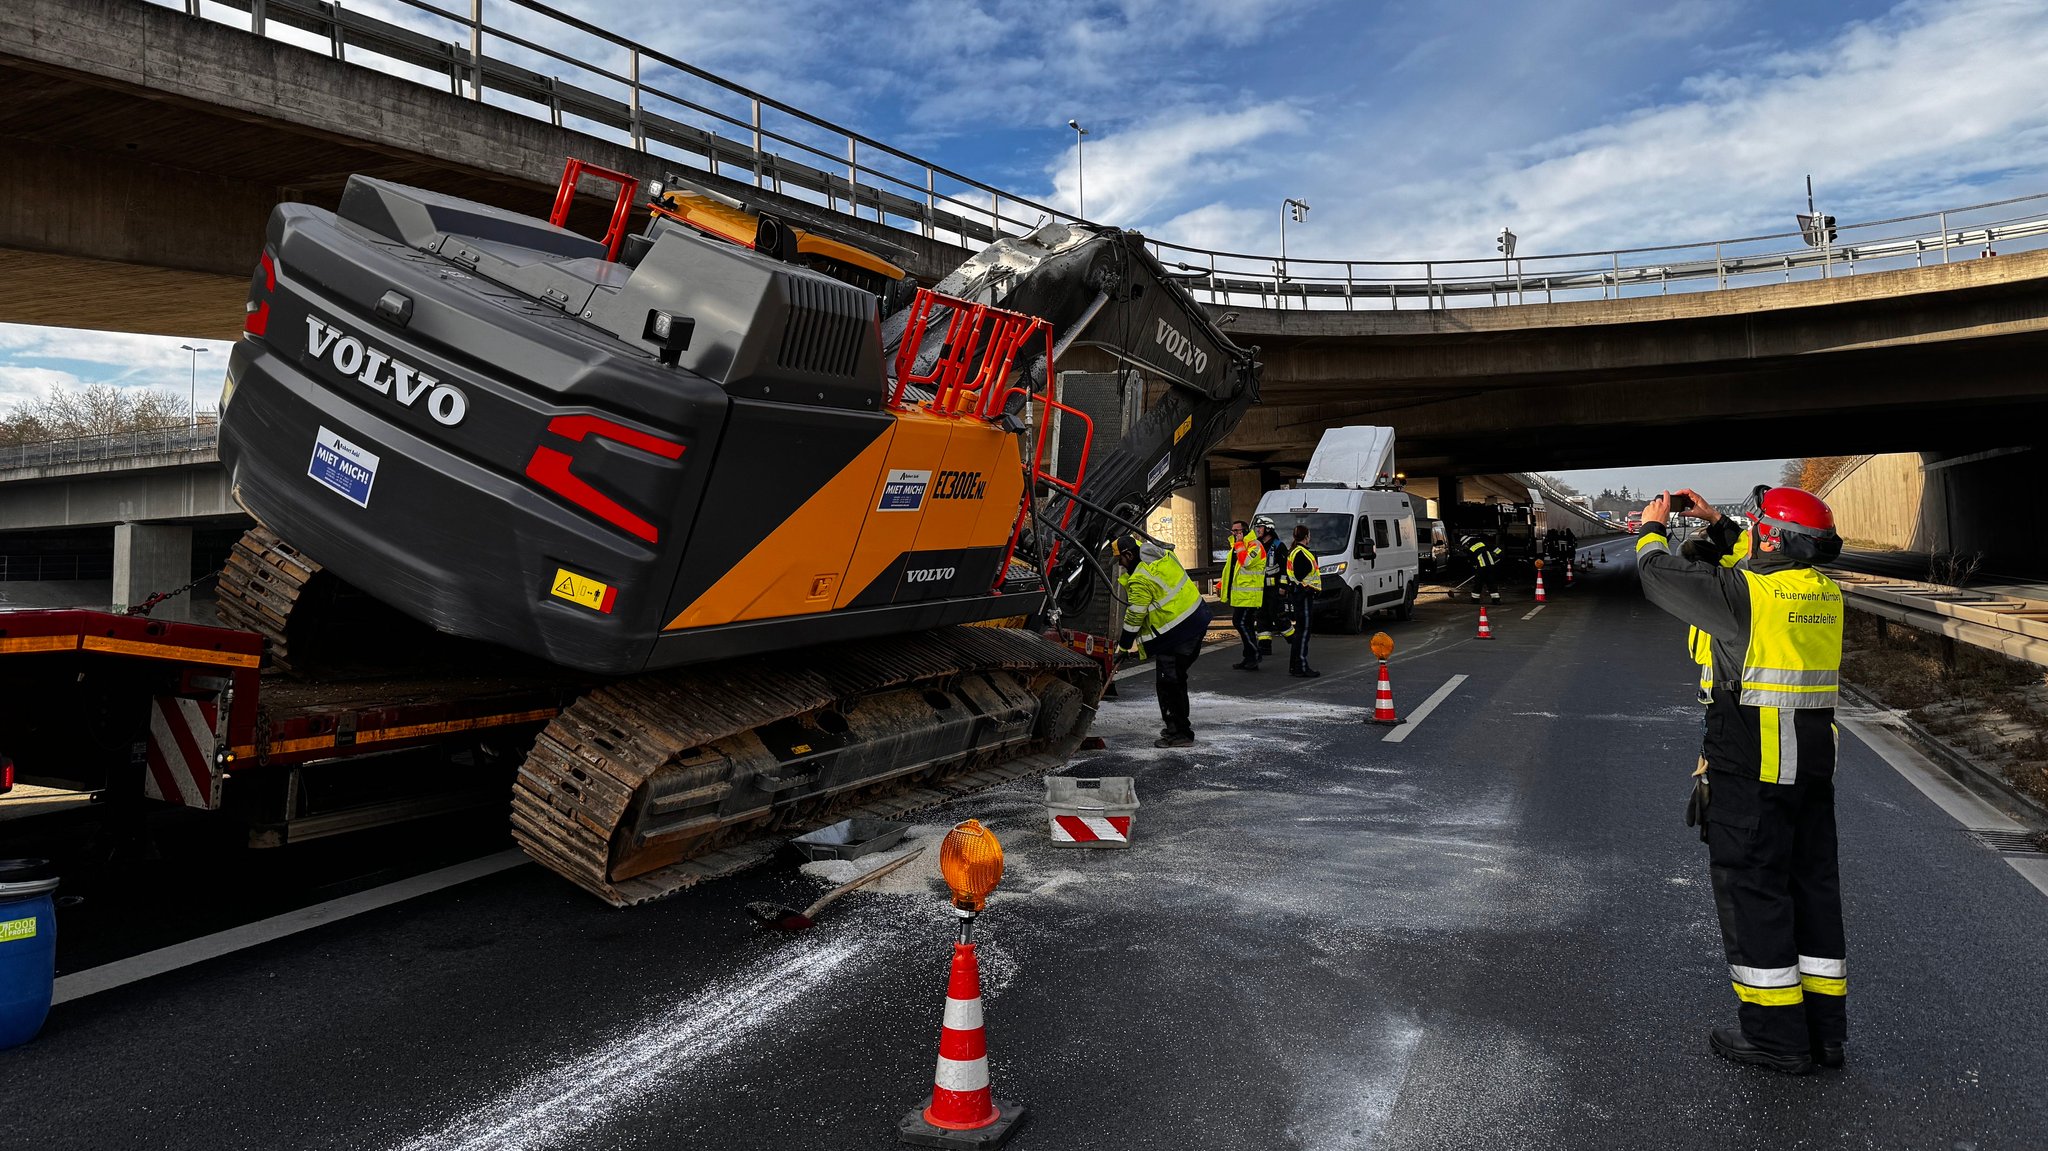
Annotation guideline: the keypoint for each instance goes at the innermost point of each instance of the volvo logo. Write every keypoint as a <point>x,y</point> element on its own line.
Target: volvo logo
<point>381,371</point>
<point>1180,347</point>
<point>928,575</point>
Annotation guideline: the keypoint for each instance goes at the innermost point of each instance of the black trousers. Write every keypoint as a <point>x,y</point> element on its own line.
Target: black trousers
<point>1777,887</point>
<point>1486,579</point>
<point>1301,600</point>
<point>1246,621</point>
<point>1170,672</point>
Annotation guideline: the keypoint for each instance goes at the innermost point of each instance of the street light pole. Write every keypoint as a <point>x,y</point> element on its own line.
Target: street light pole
<point>1080,171</point>
<point>192,397</point>
<point>1298,209</point>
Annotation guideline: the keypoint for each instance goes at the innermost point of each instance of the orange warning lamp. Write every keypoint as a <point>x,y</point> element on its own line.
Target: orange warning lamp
<point>971,859</point>
<point>1539,565</point>
<point>1382,645</point>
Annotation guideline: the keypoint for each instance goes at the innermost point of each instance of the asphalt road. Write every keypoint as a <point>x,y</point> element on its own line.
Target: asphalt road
<point>1493,934</point>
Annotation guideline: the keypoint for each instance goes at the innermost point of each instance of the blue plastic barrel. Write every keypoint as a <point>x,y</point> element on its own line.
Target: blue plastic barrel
<point>28,948</point>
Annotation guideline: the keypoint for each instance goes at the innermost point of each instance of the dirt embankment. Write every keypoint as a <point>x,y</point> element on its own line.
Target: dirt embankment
<point>1989,707</point>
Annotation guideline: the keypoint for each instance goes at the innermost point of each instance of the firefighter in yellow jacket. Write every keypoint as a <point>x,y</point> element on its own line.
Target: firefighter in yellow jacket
<point>1774,646</point>
<point>1165,610</point>
<point>1244,590</point>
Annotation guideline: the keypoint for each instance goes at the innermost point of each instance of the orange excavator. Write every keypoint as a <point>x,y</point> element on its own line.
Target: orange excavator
<point>807,555</point>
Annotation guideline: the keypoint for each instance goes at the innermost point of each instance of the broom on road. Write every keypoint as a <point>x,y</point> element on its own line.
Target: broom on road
<point>782,917</point>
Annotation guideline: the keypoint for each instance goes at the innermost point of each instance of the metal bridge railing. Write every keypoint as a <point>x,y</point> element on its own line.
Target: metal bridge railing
<point>533,58</point>
<point>199,441</point>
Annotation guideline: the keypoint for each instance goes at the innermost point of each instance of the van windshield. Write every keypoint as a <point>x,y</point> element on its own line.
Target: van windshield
<point>1328,532</point>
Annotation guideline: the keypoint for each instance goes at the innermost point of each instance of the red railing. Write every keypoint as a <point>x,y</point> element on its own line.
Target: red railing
<point>976,356</point>
<point>565,195</point>
<point>969,377</point>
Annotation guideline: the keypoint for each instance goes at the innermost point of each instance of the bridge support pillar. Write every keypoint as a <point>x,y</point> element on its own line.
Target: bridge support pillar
<point>1245,489</point>
<point>150,558</point>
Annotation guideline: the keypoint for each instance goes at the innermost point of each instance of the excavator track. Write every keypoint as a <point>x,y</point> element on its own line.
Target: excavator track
<point>646,786</point>
<point>263,580</point>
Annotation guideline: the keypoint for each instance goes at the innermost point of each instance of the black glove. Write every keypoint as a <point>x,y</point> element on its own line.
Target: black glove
<point>1696,805</point>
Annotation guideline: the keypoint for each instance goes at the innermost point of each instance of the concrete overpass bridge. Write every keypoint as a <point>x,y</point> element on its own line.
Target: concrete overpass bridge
<point>149,146</point>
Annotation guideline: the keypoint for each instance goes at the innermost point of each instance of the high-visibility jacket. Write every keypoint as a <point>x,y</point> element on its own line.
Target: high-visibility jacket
<point>1157,593</point>
<point>1484,555</point>
<point>1773,642</point>
<point>1794,657</point>
<point>1244,573</point>
<point>1314,579</point>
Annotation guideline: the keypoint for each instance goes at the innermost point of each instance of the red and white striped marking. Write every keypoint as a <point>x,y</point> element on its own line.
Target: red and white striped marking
<point>181,751</point>
<point>1091,829</point>
<point>961,1097</point>
<point>1539,585</point>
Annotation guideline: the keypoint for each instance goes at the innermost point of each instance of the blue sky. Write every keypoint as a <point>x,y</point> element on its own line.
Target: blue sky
<point>1416,129</point>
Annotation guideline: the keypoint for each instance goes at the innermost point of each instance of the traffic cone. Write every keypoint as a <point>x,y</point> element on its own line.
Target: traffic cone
<point>1485,632</point>
<point>964,1111</point>
<point>1571,569</point>
<point>1383,701</point>
<point>1539,586</point>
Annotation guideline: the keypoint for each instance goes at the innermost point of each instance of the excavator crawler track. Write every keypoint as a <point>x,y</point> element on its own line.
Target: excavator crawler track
<point>646,786</point>
<point>262,581</point>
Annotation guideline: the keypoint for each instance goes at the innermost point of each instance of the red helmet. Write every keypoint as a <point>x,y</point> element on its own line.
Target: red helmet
<point>1794,522</point>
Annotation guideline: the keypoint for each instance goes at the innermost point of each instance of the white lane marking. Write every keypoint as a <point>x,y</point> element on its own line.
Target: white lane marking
<point>557,1107</point>
<point>2035,871</point>
<point>80,984</point>
<point>1421,713</point>
<point>1147,665</point>
<point>1538,607</point>
<point>1935,784</point>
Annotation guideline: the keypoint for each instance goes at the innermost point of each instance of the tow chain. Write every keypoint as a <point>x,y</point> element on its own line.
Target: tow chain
<point>156,598</point>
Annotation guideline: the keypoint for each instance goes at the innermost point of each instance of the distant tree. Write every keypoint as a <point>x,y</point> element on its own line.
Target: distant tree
<point>1792,473</point>
<point>1624,493</point>
<point>1815,471</point>
<point>1557,485</point>
<point>1608,494</point>
<point>94,410</point>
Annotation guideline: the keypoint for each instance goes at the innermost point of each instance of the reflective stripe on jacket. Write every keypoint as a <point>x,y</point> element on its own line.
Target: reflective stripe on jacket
<point>1244,574</point>
<point>1794,659</point>
<point>1158,593</point>
<point>1484,554</point>
<point>1314,579</point>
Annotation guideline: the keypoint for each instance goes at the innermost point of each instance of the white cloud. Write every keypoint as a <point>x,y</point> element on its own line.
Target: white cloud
<point>34,360</point>
<point>1933,105</point>
<point>1170,160</point>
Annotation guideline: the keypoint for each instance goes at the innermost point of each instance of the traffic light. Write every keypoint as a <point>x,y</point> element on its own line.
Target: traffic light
<point>1505,242</point>
<point>1817,229</point>
<point>1298,209</point>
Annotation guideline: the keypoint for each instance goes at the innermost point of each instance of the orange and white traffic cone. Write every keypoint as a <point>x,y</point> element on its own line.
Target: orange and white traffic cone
<point>964,1111</point>
<point>1571,569</point>
<point>1485,632</point>
<point>1383,701</point>
<point>1539,587</point>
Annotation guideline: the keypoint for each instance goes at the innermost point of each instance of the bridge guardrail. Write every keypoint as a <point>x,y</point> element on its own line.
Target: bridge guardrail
<point>201,439</point>
<point>646,98</point>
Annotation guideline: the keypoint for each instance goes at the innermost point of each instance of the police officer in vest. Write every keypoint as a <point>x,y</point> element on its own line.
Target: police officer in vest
<point>1485,565</point>
<point>1304,580</point>
<point>1244,590</point>
<point>1165,611</point>
<point>1774,628</point>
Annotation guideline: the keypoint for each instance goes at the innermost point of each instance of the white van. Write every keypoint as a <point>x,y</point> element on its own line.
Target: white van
<point>1364,540</point>
<point>1361,527</point>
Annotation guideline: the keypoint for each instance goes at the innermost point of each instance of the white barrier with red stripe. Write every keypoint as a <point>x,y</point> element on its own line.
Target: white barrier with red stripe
<point>1090,812</point>
<point>183,767</point>
<point>1091,829</point>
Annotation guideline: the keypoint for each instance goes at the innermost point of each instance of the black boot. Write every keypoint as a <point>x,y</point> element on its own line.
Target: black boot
<point>1731,1044</point>
<point>1181,738</point>
<point>1827,1054</point>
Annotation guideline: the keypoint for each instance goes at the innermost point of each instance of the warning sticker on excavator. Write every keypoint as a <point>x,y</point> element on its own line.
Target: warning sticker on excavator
<point>582,590</point>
